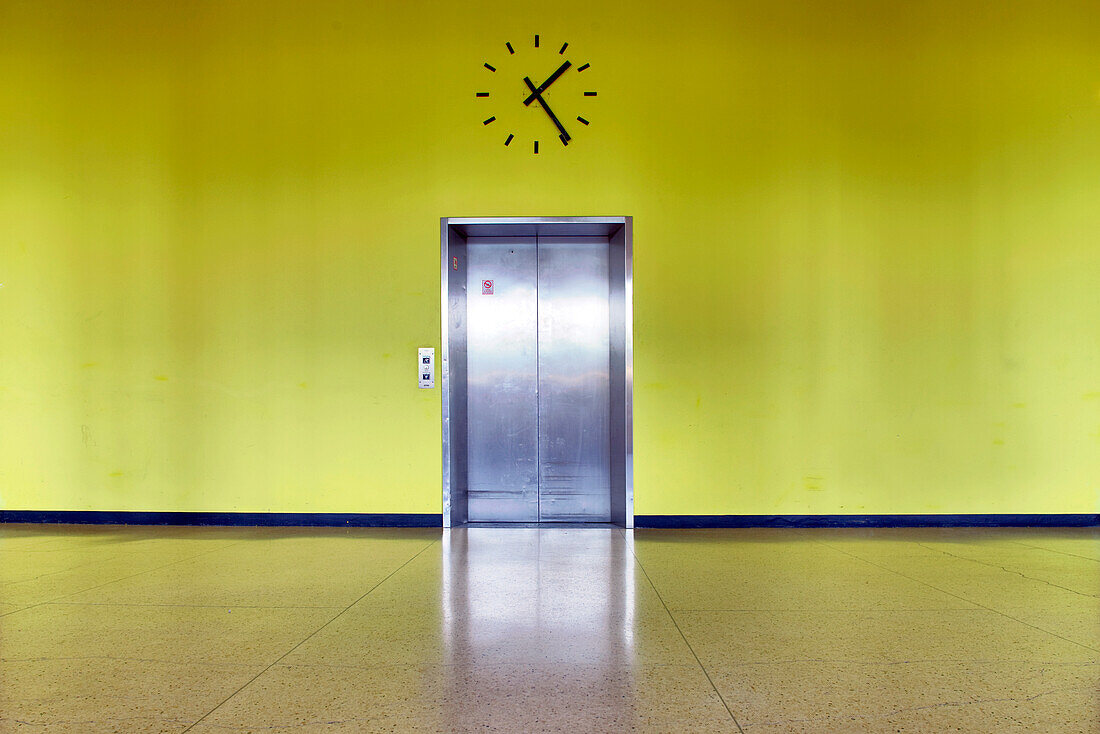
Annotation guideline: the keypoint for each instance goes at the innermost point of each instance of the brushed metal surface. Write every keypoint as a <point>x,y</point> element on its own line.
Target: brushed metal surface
<point>452,370</point>
<point>458,451</point>
<point>617,328</point>
<point>625,238</point>
<point>574,363</point>
<point>501,374</point>
<point>530,226</point>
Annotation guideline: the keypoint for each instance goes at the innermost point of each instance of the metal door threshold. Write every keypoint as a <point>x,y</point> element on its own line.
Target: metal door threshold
<point>542,525</point>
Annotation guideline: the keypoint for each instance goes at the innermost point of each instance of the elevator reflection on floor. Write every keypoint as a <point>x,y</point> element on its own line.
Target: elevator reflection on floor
<point>556,626</point>
<point>563,595</point>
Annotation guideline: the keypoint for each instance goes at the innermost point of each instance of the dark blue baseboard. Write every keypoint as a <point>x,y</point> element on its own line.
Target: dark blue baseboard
<point>433,520</point>
<point>867,521</point>
<point>310,519</point>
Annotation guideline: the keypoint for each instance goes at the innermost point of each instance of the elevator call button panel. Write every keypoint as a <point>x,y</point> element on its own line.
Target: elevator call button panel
<point>426,366</point>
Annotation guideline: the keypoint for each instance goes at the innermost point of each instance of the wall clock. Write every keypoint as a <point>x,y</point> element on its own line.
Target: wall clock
<point>532,81</point>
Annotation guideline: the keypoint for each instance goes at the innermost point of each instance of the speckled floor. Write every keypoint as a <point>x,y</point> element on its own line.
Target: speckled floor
<point>135,629</point>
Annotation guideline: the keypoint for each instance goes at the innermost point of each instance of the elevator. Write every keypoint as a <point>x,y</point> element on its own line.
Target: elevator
<point>536,369</point>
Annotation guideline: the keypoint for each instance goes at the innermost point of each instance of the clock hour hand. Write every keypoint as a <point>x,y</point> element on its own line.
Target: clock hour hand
<point>542,87</point>
<point>535,94</point>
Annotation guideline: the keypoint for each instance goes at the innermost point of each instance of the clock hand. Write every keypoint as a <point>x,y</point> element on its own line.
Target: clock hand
<point>536,95</point>
<point>542,87</point>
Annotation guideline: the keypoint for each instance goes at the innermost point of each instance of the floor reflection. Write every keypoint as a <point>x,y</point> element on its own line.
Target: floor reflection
<point>546,612</point>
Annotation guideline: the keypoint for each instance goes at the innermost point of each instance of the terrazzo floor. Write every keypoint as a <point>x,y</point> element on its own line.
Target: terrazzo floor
<point>173,629</point>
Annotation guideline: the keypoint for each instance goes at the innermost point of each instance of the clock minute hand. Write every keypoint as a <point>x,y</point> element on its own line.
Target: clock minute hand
<point>543,87</point>
<point>535,94</point>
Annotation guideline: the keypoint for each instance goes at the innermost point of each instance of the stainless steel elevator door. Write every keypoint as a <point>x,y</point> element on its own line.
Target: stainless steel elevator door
<point>574,379</point>
<point>538,379</point>
<point>502,385</point>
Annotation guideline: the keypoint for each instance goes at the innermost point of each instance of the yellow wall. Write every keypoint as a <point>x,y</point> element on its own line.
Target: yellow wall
<point>867,246</point>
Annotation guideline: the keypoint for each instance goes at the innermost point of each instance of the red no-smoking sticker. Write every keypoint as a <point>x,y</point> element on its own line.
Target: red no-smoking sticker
<point>486,287</point>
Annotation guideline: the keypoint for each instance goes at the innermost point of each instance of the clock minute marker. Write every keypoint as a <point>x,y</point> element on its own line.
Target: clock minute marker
<point>508,140</point>
<point>481,94</point>
<point>582,120</point>
<point>589,94</point>
<point>510,49</point>
<point>563,47</point>
<point>486,122</point>
<point>536,40</point>
<point>564,140</point>
<point>490,68</point>
<point>582,68</point>
<point>536,146</point>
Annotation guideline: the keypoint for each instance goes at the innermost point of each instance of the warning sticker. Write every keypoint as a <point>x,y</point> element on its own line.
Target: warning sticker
<point>486,287</point>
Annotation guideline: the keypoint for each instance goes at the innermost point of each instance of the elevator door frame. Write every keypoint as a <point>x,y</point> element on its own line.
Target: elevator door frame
<point>452,358</point>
